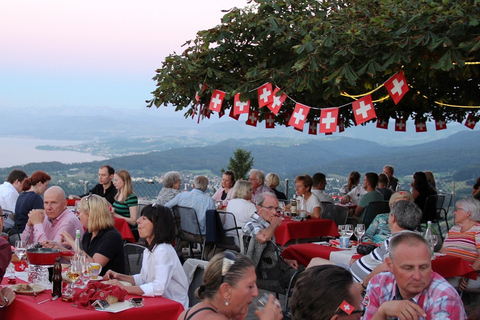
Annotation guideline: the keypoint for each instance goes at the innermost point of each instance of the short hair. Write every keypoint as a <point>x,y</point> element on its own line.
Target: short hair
<point>242,190</point>
<point>37,176</point>
<point>472,205</point>
<point>383,179</point>
<point>128,185</point>
<point>212,278</point>
<point>389,168</point>
<point>163,224</point>
<point>319,291</point>
<point>170,178</point>
<point>272,180</point>
<point>261,198</point>
<point>319,178</point>
<point>231,174</point>
<point>407,214</point>
<point>16,175</point>
<point>404,195</point>
<point>200,182</point>
<point>109,169</point>
<point>99,215</point>
<point>409,238</point>
<point>258,173</point>
<point>306,180</point>
<point>372,178</point>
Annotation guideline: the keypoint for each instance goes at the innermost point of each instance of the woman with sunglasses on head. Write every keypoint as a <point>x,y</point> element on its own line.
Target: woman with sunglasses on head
<point>162,273</point>
<point>101,242</point>
<point>228,290</point>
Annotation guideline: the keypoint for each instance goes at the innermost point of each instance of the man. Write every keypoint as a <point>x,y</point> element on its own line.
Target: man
<point>404,216</point>
<point>105,187</point>
<point>9,191</point>
<point>369,184</point>
<point>196,199</point>
<point>318,188</point>
<point>257,179</point>
<point>411,289</point>
<point>6,294</point>
<point>48,224</point>
<point>392,181</point>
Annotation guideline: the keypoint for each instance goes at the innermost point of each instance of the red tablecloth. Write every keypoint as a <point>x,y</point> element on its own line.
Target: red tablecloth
<point>310,228</point>
<point>446,266</point>
<point>122,226</point>
<point>27,307</point>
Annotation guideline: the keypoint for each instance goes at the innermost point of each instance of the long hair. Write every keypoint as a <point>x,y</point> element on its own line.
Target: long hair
<point>128,186</point>
<point>353,180</point>
<point>99,215</point>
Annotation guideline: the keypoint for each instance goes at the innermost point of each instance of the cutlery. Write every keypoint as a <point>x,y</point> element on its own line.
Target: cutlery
<point>35,294</point>
<point>52,299</point>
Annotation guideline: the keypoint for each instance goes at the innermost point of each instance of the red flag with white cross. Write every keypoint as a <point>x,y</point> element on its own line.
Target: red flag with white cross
<point>397,86</point>
<point>471,121</point>
<point>286,116</point>
<point>240,106</point>
<point>363,110</point>
<point>312,127</point>
<point>341,125</point>
<point>347,307</point>
<point>265,96</point>
<point>401,125</point>
<point>216,100</point>
<point>269,121</point>
<point>277,101</point>
<point>328,120</point>
<point>252,118</point>
<point>440,124</point>
<point>420,126</point>
<point>382,123</point>
<point>299,116</point>
<point>233,115</point>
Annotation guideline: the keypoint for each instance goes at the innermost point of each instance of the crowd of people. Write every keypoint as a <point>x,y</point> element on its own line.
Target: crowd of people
<point>395,280</point>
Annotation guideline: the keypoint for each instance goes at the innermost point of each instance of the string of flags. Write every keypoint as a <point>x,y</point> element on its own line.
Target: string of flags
<point>329,121</point>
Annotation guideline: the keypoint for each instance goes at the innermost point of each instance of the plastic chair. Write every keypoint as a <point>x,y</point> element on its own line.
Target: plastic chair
<point>216,234</point>
<point>336,213</point>
<point>188,229</point>
<point>372,210</point>
<point>133,258</point>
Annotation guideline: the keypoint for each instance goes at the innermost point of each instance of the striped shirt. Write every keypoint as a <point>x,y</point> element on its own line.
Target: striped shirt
<point>123,208</point>
<point>464,245</point>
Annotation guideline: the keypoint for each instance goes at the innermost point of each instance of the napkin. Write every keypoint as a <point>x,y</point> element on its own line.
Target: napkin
<point>97,290</point>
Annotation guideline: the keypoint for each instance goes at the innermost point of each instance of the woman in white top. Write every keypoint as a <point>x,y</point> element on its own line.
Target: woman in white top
<point>225,193</point>
<point>162,273</point>
<point>303,186</point>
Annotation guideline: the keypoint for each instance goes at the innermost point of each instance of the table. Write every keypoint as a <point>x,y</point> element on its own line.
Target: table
<point>446,266</point>
<point>310,228</point>
<point>27,307</point>
<point>124,228</point>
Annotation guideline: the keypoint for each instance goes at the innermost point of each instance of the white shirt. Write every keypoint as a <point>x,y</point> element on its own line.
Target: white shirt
<point>8,200</point>
<point>312,203</point>
<point>322,196</point>
<point>242,210</point>
<point>356,193</point>
<point>162,275</point>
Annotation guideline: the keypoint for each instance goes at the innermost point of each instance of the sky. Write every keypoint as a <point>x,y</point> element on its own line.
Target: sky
<point>94,52</point>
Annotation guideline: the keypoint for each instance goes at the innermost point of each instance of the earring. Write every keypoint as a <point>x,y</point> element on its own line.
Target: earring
<point>226,302</point>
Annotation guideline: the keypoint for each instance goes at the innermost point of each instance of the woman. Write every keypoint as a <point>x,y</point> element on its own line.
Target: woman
<point>354,189</point>
<point>102,243</point>
<point>463,240</point>
<point>303,186</point>
<point>225,192</point>
<point>229,286</point>
<point>126,202</point>
<point>241,207</point>
<point>431,179</point>
<point>421,189</point>
<point>320,293</point>
<point>162,273</point>
<point>272,180</point>
<point>352,182</point>
<point>382,186</point>
<point>171,187</point>
<point>379,230</point>
<point>30,198</point>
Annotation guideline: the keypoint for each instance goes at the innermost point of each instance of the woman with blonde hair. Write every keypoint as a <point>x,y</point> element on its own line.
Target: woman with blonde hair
<point>126,202</point>
<point>272,181</point>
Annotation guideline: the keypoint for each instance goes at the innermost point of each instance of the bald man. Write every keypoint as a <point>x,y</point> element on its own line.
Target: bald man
<point>48,224</point>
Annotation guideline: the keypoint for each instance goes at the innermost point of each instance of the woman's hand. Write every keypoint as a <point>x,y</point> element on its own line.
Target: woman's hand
<point>110,275</point>
<point>67,239</point>
<point>271,311</point>
<point>53,245</point>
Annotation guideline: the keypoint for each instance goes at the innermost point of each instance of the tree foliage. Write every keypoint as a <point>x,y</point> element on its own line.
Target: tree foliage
<point>241,163</point>
<point>314,50</point>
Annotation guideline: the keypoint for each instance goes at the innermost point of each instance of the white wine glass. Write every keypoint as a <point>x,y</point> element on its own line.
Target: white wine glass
<point>349,230</point>
<point>341,230</point>
<point>73,273</point>
<point>359,232</point>
<point>20,249</point>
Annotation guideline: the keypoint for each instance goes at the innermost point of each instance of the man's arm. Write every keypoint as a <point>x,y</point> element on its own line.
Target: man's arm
<point>266,234</point>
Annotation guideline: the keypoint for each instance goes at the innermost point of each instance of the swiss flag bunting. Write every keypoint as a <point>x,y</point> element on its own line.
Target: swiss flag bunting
<point>240,106</point>
<point>341,125</point>
<point>270,121</point>
<point>265,96</point>
<point>252,118</point>
<point>312,127</point>
<point>471,121</point>
<point>216,100</point>
<point>277,101</point>
<point>397,86</point>
<point>299,116</point>
<point>328,120</point>
<point>286,116</point>
<point>221,114</point>
<point>420,126</point>
<point>233,115</point>
<point>440,124</point>
<point>382,123</point>
<point>400,125</point>
<point>363,110</point>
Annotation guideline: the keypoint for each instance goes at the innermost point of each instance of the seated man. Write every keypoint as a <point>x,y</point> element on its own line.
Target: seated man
<point>392,181</point>
<point>411,289</point>
<point>9,192</point>
<point>257,179</point>
<point>105,187</point>
<point>318,188</point>
<point>48,224</point>
<point>369,184</point>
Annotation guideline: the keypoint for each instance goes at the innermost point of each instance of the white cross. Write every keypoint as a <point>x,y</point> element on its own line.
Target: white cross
<point>363,109</point>
<point>240,105</point>
<point>346,307</point>
<point>313,126</point>
<point>400,125</point>
<point>270,121</point>
<point>328,120</point>
<point>276,101</point>
<point>265,94</point>
<point>470,122</point>
<point>383,123</point>
<point>216,100</point>
<point>421,126</point>
<point>252,118</point>
<point>299,116</point>
<point>397,87</point>
<point>440,123</point>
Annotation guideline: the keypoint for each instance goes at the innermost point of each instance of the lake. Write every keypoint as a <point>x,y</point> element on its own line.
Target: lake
<point>20,151</point>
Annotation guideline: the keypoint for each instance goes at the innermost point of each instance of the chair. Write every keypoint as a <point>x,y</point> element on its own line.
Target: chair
<point>133,258</point>
<point>188,229</point>
<point>194,269</point>
<point>338,214</point>
<point>433,211</point>
<point>324,205</point>
<point>447,202</point>
<point>216,234</point>
<point>372,210</point>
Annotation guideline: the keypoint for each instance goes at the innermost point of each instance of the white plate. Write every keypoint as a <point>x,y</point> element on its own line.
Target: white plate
<point>17,288</point>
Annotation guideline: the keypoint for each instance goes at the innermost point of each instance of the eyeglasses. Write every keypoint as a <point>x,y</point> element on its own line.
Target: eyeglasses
<point>3,216</point>
<point>228,261</point>
<point>277,209</point>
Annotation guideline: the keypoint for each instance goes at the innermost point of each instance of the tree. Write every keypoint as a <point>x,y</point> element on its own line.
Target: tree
<point>241,163</point>
<point>321,53</point>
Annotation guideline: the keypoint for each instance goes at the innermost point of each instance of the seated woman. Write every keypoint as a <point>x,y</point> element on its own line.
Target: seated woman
<point>225,192</point>
<point>326,293</point>
<point>382,186</point>
<point>272,181</point>
<point>229,286</point>
<point>463,240</point>
<point>162,273</point>
<point>171,187</point>
<point>102,243</point>
<point>354,190</point>
<point>126,202</point>
<point>379,231</point>
<point>431,179</point>
<point>421,189</point>
<point>303,186</point>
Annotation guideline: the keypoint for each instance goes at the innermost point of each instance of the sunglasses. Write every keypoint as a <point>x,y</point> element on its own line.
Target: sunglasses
<point>228,261</point>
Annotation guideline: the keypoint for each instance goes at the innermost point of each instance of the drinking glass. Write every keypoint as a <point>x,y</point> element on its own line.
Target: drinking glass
<point>20,249</point>
<point>341,230</point>
<point>281,205</point>
<point>349,230</point>
<point>433,242</point>
<point>359,232</point>
<point>86,273</point>
<point>73,273</point>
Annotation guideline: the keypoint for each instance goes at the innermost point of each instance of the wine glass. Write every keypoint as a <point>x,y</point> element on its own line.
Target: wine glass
<point>341,230</point>
<point>20,249</point>
<point>86,272</point>
<point>349,230</point>
<point>433,242</point>
<point>359,232</point>
<point>281,205</point>
<point>73,273</point>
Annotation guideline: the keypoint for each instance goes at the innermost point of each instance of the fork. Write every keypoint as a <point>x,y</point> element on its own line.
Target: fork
<point>52,299</point>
